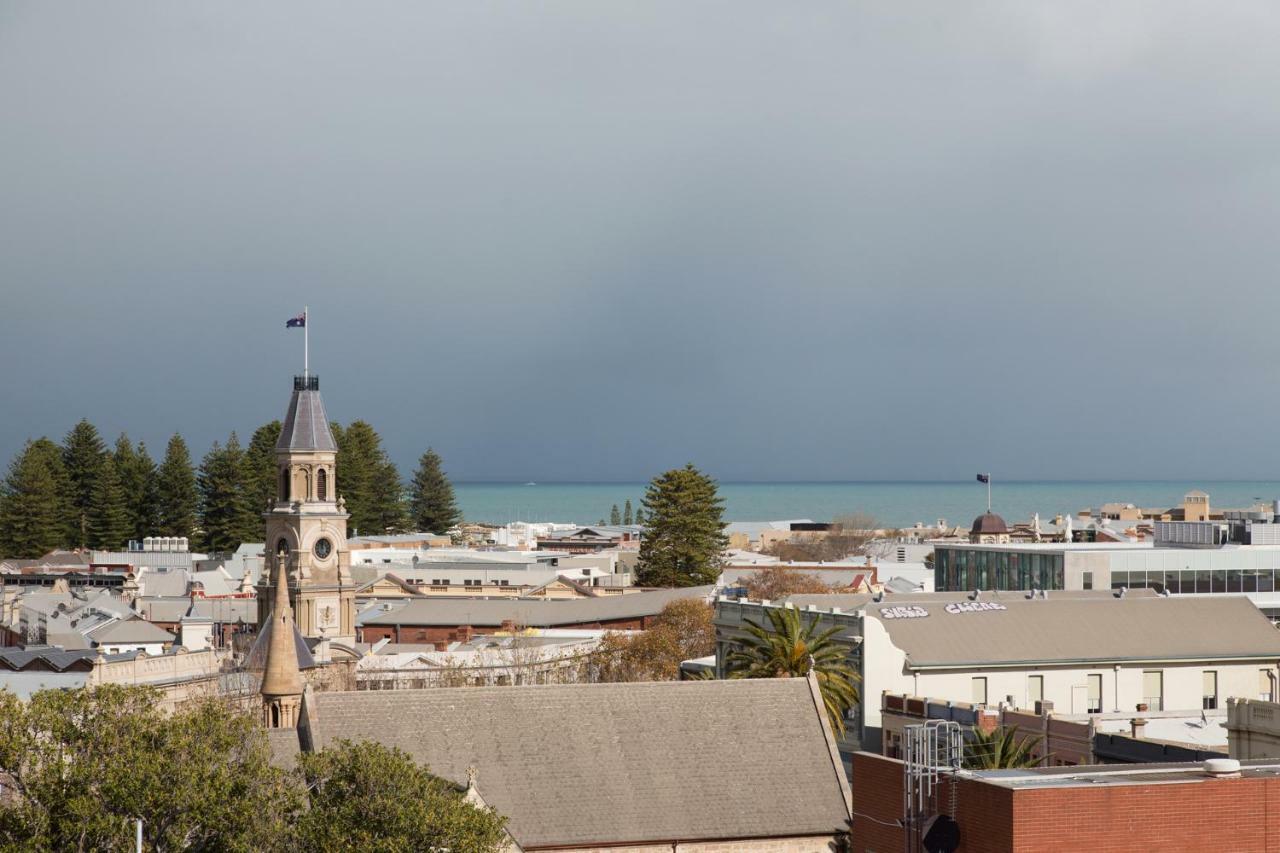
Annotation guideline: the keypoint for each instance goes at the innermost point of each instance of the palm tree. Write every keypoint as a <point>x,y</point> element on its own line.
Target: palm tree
<point>791,649</point>
<point>1001,749</point>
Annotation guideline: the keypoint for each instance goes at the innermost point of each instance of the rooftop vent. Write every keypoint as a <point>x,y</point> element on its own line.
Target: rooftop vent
<point>1222,768</point>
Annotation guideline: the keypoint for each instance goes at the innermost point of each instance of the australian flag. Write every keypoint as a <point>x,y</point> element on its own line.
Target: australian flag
<point>298,322</point>
<point>984,478</point>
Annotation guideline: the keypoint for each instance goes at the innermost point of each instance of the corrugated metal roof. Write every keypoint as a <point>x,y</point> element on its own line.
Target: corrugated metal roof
<point>530,612</point>
<point>1063,629</point>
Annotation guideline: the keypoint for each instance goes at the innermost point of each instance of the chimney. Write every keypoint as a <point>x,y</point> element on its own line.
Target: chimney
<point>988,720</point>
<point>440,645</point>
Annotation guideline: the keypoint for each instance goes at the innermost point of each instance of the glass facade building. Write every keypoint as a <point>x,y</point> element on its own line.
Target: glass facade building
<point>960,569</point>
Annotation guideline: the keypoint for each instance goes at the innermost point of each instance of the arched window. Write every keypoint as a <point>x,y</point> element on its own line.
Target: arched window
<point>284,484</point>
<point>275,716</point>
<point>322,485</point>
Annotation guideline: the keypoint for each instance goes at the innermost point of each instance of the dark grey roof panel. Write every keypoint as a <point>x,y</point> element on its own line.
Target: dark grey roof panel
<point>693,760</point>
<point>306,426</point>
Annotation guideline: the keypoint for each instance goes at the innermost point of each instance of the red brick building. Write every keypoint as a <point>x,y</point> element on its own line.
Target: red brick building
<point>1118,807</point>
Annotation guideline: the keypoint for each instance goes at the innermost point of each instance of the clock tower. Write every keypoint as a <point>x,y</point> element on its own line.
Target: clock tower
<point>306,524</point>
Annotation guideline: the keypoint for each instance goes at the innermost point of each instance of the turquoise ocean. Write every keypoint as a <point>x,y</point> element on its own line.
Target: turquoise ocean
<point>892,503</point>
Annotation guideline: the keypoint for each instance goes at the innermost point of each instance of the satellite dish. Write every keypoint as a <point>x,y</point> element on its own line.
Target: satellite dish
<point>941,834</point>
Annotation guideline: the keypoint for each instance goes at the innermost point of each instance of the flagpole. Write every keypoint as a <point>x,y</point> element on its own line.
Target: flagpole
<point>988,493</point>
<point>306,349</point>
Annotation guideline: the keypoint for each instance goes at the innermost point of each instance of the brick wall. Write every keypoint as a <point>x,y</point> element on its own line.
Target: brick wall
<point>1219,814</point>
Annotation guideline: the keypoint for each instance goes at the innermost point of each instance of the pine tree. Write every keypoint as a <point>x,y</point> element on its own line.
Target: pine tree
<point>260,462</point>
<point>107,521</point>
<point>627,517</point>
<point>34,502</point>
<point>137,485</point>
<point>82,455</point>
<point>225,514</point>
<point>368,481</point>
<point>615,516</point>
<point>432,505</point>
<point>388,499</point>
<point>176,495</point>
<point>684,537</point>
<point>639,516</point>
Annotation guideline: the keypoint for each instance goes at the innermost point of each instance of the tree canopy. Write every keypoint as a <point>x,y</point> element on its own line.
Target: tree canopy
<point>107,522</point>
<point>681,631</point>
<point>432,505</point>
<point>369,482</point>
<point>138,484</point>
<point>774,583</point>
<point>789,647</point>
<point>684,530</point>
<point>177,499</point>
<point>260,466</point>
<point>83,453</point>
<point>365,796</point>
<point>200,779</point>
<point>225,514</point>
<point>35,507</point>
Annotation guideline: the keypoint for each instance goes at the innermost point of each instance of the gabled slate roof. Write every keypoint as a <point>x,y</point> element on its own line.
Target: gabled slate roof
<point>652,762</point>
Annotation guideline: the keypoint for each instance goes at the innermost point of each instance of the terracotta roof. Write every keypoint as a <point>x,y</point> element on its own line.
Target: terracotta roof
<point>646,762</point>
<point>989,523</point>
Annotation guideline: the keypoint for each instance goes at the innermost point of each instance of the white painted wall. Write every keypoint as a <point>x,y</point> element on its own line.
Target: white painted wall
<point>885,668</point>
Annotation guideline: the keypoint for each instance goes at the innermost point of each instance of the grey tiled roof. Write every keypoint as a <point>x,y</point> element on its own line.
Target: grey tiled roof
<point>131,631</point>
<point>284,746</point>
<point>530,612</point>
<point>599,764</point>
<point>306,426</point>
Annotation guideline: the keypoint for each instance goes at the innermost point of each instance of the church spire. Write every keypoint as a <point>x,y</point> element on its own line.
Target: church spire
<point>281,678</point>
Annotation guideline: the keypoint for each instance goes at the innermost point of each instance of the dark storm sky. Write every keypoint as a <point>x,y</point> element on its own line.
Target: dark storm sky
<point>591,240</point>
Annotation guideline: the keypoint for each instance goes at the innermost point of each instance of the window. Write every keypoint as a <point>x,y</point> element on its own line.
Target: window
<point>1209,693</point>
<point>1153,689</point>
<point>1095,694</point>
<point>322,485</point>
<point>1088,580</point>
<point>1264,685</point>
<point>284,484</point>
<point>1035,690</point>
<point>979,691</point>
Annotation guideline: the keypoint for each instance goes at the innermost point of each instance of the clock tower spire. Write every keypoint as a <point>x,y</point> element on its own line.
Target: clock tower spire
<point>306,524</point>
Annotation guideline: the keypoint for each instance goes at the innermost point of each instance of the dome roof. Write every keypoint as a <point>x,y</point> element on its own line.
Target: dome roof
<point>989,523</point>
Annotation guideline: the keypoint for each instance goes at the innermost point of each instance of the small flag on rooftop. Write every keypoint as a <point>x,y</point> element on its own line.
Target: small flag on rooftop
<point>299,322</point>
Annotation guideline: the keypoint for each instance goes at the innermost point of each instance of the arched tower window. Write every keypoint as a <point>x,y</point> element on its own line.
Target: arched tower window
<point>284,484</point>
<point>322,485</point>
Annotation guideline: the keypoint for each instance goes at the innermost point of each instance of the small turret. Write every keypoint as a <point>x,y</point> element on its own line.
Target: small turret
<point>281,678</point>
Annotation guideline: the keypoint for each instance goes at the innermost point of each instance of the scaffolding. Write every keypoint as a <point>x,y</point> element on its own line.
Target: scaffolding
<point>932,749</point>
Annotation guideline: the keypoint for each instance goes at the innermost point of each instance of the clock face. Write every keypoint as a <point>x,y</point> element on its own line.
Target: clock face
<point>323,547</point>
